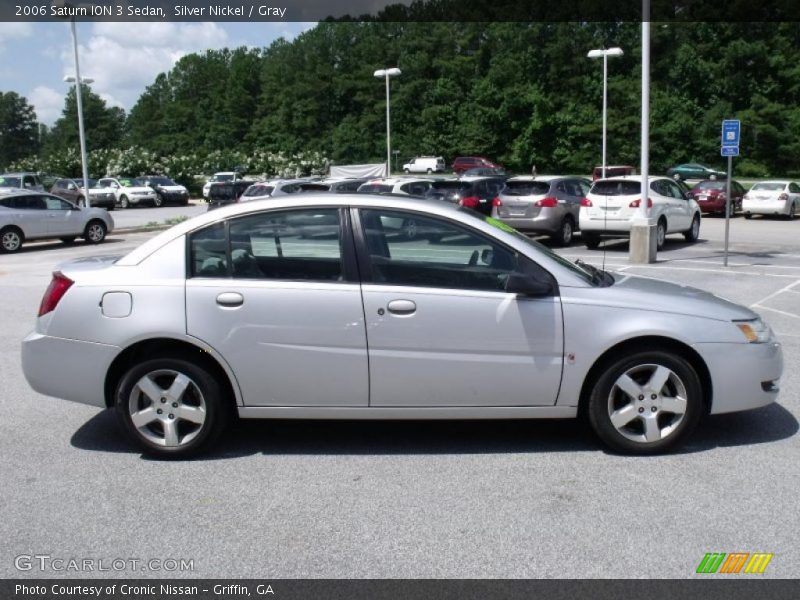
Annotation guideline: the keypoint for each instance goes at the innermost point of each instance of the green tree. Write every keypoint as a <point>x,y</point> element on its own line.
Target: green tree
<point>19,131</point>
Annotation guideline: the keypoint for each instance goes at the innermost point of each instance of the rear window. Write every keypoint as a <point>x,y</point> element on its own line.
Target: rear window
<point>375,188</point>
<point>616,188</point>
<point>315,187</point>
<point>259,190</point>
<point>526,188</point>
<point>450,186</point>
<point>709,185</point>
<point>768,187</point>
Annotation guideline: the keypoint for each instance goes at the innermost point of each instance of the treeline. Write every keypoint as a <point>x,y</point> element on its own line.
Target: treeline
<point>519,93</point>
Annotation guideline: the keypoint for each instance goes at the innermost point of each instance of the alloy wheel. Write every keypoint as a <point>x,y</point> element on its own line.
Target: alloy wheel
<point>11,241</point>
<point>95,233</point>
<point>167,408</point>
<point>647,403</point>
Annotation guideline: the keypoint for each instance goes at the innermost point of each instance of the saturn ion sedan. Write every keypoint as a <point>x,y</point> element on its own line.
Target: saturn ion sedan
<point>310,307</point>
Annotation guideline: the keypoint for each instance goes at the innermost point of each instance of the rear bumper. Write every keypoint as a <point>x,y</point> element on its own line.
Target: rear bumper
<point>69,369</point>
<point>741,374</point>
<point>548,220</point>
<point>102,202</point>
<point>765,207</point>
<point>599,225</point>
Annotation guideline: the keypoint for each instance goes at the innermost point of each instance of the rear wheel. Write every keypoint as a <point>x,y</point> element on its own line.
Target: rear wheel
<point>81,201</point>
<point>693,232</point>
<point>591,240</point>
<point>793,211</point>
<point>123,202</point>
<point>646,403</point>
<point>11,239</point>
<point>748,216</point>
<point>661,234</point>
<point>95,232</point>
<point>410,229</point>
<point>170,407</point>
<point>158,200</point>
<point>563,237</point>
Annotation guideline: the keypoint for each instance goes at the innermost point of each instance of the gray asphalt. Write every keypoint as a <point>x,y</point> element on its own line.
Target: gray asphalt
<point>443,499</point>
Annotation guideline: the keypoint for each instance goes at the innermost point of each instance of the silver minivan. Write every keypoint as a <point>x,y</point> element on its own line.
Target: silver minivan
<point>547,204</point>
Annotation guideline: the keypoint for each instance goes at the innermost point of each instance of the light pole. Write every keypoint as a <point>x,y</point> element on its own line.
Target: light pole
<point>605,53</point>
<point>386,74</point>
<point>78,80</point>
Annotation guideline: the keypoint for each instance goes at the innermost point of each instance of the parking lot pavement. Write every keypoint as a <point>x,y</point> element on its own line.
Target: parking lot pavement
<point>436,499</point>
<point>137,217</point>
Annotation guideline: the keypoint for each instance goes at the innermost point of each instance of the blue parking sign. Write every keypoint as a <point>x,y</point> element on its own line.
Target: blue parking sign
<point>730,132</point>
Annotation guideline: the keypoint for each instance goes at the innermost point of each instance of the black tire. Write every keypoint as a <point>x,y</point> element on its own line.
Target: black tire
<point>81,202</point>
<point>630,437</point>
<point>95,232</point>
<point>693,232</point>
<point>591,240</point>
<point>429,171</point>
<point>406,171</point>
<point>661,233</point>
<point>11,239</point>
<point>748,216</point>
<point>793,212</point>
<point>565,233</point>
<point>67,240</point>
<point>158,201</point>
<point>216,410</point>
<point>123,202</point>
<point>410,229</point>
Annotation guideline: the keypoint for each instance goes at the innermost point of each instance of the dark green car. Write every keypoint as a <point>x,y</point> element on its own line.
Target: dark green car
<point>693,171</point>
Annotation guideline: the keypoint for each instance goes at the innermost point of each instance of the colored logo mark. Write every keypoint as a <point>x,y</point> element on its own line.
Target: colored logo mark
<point>735,562</point>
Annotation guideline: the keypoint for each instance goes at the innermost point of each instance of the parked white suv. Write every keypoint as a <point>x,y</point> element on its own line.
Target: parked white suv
<point>129,191</point>
<point>425,164</point>
<point>612,204</point>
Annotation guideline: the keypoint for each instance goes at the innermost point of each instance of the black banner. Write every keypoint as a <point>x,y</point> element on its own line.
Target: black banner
<point>400,589</point>
<point>398,10</point>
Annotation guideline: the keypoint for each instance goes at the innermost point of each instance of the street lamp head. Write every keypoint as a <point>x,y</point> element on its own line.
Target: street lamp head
<point>393,72</point>
<point>69,79</point>
<point>605,52</point>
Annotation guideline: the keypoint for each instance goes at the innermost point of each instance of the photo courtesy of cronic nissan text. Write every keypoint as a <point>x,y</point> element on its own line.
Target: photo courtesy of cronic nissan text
<point>411,300</point>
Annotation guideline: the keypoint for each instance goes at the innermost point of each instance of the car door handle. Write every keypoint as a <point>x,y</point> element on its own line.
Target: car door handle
<point>401,307</point>
<point>230,299</point>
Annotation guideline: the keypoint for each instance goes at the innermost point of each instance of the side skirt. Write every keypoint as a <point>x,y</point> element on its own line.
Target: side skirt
<point>415,413</point>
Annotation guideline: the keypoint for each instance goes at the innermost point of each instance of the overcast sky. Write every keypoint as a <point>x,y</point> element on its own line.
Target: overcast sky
<point>122,58</point>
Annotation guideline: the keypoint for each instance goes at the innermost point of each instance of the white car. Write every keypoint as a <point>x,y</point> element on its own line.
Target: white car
<point>772,198</point>
<point>221,176</point>
<point>425,164</point>
<point>613,203</point>
<point>396,185</point>
<point>270,189</point>
<point>129,191</point>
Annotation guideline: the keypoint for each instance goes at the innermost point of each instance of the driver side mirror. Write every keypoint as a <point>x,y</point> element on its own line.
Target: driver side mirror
<point>528,285</point>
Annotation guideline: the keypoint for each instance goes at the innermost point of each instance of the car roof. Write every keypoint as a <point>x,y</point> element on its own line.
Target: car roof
<point>471,178</point>
<point>781,181</point>
<point>543,178</point>
<point>18,174</point>
<point>638,178</point>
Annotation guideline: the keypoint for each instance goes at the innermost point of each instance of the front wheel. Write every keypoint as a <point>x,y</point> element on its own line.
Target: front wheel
<point>158,200</point>
<point>95,232</point>
<point>81,202</point>
<point>410,229</point>
<point>170,407</point>
<point>563,237</point>
<point>748,216</point>
<point>124,203</point>
<point>693,232</point>
<point>646,403</point>
<point>793,211</point>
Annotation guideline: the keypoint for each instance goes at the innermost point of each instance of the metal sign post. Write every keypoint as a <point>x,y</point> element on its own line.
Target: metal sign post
<point>730,148</point>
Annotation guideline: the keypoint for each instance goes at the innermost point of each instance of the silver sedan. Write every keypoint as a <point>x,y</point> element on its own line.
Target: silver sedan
<point>310,307</point>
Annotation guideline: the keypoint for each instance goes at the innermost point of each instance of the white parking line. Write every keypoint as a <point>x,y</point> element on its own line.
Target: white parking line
<point>773,294</point>
<point>775,310</point>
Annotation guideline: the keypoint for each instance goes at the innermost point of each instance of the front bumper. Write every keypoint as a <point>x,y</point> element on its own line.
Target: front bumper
<point>69,369</point>
<point>147,199</point>
<point>740,374</point>
<point>103,201</point>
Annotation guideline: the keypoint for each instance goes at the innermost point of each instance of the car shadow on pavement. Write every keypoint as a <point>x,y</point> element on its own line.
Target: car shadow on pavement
<point>310,437</point>
<point>53,245</point>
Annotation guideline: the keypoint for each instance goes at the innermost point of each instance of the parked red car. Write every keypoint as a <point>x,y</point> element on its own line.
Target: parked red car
<point>710,196</point>
<point>613,171</point>
<point>464,163</point>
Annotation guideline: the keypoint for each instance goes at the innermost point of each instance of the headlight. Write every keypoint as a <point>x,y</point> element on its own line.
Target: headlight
<point>756,331</point>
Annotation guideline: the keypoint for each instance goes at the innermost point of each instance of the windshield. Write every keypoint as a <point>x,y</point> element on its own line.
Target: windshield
<point>710,185</point>
<point>768,187</point>
<point>584,272</point>
<point>222,177</point>
<point>526,188</point>
<point>126,182</point>
<point>10,182</point>
<point>161,181</point>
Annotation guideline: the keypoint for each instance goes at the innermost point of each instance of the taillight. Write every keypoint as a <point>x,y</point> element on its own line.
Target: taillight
<point>548,202</point>
<point>636,203</point>
<point>783,197</point>
<point>586,202</point>
<point>55,291</point>
<point>470,201</point>
<point>497,201</point>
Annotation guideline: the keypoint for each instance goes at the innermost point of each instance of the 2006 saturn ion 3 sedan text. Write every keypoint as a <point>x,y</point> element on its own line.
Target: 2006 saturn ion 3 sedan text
<point>312,307</point>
